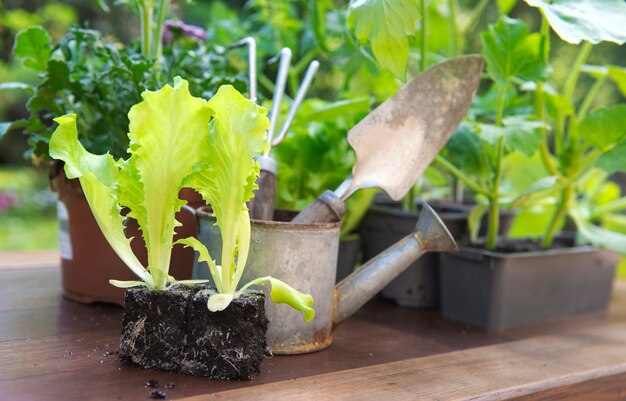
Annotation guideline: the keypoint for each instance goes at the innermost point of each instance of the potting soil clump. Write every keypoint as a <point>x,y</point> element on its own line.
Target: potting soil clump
<point>174,330</point>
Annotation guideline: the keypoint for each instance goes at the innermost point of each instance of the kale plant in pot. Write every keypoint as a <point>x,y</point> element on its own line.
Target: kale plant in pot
<point>100,79</point>
<point>178,140</point>
<point>497,283</point>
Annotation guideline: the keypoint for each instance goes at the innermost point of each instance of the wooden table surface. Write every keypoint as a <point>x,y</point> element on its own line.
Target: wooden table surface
<point>55,349</point>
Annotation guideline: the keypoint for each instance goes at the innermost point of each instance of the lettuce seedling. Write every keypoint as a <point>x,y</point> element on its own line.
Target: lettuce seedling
<point>176,141</point>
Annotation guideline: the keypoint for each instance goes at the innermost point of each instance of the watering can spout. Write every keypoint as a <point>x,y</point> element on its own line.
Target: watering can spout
<point>430,235</point>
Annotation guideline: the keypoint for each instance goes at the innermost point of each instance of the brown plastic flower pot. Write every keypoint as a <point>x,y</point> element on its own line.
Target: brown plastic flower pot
<point>87,260</point>
<point>386,222</point>
<point>499,290</point>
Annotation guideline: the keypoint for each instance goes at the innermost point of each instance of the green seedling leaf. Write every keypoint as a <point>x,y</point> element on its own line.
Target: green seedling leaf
<point>127,284</point>
<point>591,20</point>
<point>542,184</point>
<point>167,134</point>
<point>511,52</point>
<point>98,175</point>
<point>618,75</point>
<point>465,149</point>
<point>614,160</point>
<point>386,25</point>
<point>506,5</point>
<point>598,236</point>
<point>332,111</point>
<point>204,256</point>
<point>604,127</point>
<point>227,178</point>
<point>33,47</point>
<point>282,293</point>
<point>520,134</point>
<point>475,219</point>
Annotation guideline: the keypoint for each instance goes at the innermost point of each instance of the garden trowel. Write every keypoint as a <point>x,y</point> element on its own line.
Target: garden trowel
<point>397,141</point>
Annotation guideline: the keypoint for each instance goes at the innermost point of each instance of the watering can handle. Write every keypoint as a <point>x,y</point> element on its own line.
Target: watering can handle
<point>430,235</point>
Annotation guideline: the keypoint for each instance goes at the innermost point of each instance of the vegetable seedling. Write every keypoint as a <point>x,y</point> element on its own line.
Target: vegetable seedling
<point>176,141</point>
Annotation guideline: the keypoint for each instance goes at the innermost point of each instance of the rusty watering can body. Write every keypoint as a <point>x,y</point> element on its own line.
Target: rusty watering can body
<point>305,257</point>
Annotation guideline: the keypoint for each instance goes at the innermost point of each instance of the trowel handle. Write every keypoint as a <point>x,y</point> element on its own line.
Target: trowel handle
<point>262,205</point>
<point>328,208</point>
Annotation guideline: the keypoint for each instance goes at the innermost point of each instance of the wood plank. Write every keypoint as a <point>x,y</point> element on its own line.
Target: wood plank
<point>609,388</point>
<point>487,373</point>
<point>30,259</point>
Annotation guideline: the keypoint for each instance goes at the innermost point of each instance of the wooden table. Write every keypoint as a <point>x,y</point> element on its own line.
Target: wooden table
<point>55,349</point>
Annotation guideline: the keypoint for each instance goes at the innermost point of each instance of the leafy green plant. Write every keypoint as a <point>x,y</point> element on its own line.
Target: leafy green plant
<point>178,140</point>
<point>86,73</point>
<point>532,115</point>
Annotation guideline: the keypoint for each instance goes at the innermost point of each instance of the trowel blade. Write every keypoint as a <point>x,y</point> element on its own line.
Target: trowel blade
<point>397,141</point>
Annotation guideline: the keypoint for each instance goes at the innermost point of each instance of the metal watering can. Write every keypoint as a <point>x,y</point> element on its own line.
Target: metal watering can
<point>305,257</point>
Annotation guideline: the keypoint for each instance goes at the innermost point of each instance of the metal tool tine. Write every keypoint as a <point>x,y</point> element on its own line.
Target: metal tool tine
<point>302,90</point>
<point>279,90</point>
<point>251,44</point>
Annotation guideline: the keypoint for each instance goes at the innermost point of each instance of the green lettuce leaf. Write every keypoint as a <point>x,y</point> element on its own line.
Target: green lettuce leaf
<point>168,132</point>
<point>591,20</point>
<point>167,140</point>
<point>282,293</point>
<point>387,25</point>
<point>98,177</point>
<point>227,178</point>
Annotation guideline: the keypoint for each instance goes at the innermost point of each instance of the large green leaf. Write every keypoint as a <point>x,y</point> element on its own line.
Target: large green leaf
<point>614,160</point>
<point>591,20</point>
<point>511,52</point>
<point>168,132</point>
<point>227,178</point>
<point>386,25</point>
<point>32,47</point>
<point>465,150</point>
<point>520,134</point>
<point>604,127</point>
<point>98,177</point>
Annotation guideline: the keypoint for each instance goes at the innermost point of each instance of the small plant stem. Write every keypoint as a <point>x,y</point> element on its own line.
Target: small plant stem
<point>572,78</point>
<point>471,184</point>
<point>543,148</point>
<point>494,212</point>
<point>455,40</point>
<point>558,216</point>
<point>304,61</point>
<point>423,35</point>
<point>611,207</point>
<point>146,29</point>
<point>475,15</point>
<point>162,8</point>
<point>588,101</point>
<point>266,83</point>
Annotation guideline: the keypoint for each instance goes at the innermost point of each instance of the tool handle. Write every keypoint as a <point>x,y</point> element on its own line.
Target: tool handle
<point>327,208</point>
<point>262,205</point>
